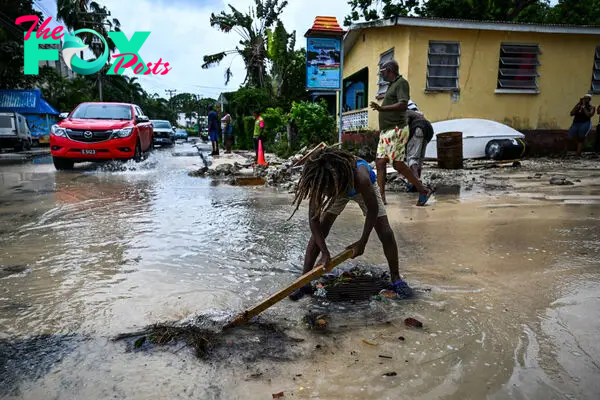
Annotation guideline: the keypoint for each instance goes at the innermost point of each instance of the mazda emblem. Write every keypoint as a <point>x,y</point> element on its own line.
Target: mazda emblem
<point>88,134</point>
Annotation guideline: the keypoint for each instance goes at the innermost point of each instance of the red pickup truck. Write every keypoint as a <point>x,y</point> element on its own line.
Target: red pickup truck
<point>101,132</point>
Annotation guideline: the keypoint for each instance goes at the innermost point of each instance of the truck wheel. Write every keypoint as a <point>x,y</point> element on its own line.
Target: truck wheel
<point>28,144</point>
<point>19,146</point>
<point>137,155</point>
<point>62,163</point>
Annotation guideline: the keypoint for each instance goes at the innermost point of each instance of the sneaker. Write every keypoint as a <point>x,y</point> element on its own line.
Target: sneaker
<point>403,290</point>
<point>299,293</point>
<point>423,198</point>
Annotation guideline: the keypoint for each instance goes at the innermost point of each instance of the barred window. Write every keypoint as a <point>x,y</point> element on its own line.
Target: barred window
<point>443,60</point>
<point>596,72</point>
<point>383,85</point>
<point>518,66</point>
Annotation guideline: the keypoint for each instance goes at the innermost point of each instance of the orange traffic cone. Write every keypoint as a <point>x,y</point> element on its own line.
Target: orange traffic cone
<point>261,154</point>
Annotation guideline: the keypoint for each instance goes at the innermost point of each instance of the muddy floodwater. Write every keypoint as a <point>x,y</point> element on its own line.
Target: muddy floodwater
<point>508,282</point>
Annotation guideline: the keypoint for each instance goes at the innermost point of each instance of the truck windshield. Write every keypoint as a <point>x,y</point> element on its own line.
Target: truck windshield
<point>102,111</point>
<point>161,124</point>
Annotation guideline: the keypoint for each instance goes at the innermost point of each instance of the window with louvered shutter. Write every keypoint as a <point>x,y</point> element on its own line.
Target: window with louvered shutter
<point>383,85</point>
<point>443,60</point>
<point>518,66</point>
<point>596,72</point>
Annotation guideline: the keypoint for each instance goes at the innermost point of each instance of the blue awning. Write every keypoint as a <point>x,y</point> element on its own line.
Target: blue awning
<point>25,101</point>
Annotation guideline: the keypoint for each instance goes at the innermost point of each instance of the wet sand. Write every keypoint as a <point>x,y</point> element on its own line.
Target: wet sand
<point>508,282</point>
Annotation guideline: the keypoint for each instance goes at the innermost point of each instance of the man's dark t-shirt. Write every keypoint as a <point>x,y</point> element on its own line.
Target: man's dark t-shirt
<point>398,91</point>
<point>580,114</point>
<point>212,122</point>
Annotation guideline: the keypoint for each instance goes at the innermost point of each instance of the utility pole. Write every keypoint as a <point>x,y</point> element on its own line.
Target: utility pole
<point>100,86</point>
<point>170,91</point>
<point>199,110</point>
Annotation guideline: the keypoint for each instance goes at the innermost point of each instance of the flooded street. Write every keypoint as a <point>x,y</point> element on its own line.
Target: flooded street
<point>509,284</point>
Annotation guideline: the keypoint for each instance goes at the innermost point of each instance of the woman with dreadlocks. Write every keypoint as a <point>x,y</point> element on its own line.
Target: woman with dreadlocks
<point>330,179</point>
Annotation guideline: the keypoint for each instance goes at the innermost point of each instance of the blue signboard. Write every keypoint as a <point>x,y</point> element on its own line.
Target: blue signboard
<point>323,69</point>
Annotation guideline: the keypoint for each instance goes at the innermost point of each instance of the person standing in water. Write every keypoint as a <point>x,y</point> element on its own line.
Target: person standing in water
<point>394,131</point>
<point>330,179</point>
<point>213,130</point>
<point>227,130</point>
<point>582,115</point>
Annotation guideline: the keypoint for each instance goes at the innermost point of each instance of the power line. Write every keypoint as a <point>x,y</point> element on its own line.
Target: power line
<point>170,91</point>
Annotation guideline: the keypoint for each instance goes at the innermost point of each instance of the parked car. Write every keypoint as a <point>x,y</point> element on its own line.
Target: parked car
<point>14,131</point>
<point>181,134</point>
<point>163,133</point>
<point>100,132</point>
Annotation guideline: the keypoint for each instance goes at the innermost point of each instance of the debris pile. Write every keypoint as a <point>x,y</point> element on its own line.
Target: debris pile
<point>219,171</point>
<point>477,175</point>
<point>356,283</point>
<point>561,181</point>
<point>245,343</point>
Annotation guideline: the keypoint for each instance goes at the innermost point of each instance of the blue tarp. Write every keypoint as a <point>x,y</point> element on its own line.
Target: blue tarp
<point>25,101</point>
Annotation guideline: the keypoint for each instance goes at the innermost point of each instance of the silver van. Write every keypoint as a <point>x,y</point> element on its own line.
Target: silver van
<point>14,131</point>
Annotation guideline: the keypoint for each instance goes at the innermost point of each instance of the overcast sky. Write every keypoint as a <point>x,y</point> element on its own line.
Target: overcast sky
<point>181,35</point>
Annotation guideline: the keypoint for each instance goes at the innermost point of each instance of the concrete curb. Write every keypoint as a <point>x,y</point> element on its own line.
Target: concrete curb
<point>23,156</point>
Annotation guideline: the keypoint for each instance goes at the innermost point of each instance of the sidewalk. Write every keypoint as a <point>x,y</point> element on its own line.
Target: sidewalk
<point>11,157</point>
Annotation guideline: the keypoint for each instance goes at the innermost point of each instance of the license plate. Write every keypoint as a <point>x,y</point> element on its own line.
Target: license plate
<point>85,151</point>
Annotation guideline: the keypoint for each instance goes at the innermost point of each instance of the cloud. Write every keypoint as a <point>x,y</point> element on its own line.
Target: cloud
<point>181,35</point>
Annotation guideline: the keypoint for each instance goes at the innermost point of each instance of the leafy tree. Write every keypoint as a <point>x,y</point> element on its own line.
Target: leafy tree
<point>314,122</point>
<point>158,108</point>
<point>494,10</point>
<point>252,28</point>
<point>79,14</point>
<point>371,10</point>
<point>491,10</point>
<point>11,43</point>
<point>62,93</point>
<point>576,12</point>
<point>185,103</point>
<point>288,66</point>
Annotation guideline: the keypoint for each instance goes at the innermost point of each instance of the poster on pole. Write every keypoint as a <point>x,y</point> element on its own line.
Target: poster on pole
<point>323,63</point>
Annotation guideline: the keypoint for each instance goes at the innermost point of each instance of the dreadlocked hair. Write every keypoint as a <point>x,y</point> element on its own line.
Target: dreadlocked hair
<point>327,173</point>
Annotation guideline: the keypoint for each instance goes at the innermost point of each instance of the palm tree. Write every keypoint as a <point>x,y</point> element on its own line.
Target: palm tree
<point>80,14</point>
<point>252,28</point>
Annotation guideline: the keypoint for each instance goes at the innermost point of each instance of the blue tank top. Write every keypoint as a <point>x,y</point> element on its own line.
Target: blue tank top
<point>352,192</point>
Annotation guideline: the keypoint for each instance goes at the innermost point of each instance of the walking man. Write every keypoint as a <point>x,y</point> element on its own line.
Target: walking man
<point>394,131</point>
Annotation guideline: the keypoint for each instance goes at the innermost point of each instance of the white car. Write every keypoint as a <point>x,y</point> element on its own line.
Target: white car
<point>163,133</point>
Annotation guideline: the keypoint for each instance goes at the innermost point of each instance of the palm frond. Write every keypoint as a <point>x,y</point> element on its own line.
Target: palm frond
<point>214,59</point>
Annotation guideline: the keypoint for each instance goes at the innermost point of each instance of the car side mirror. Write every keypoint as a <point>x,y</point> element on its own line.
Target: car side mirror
<point>62,116</point>
<point>141,119</point>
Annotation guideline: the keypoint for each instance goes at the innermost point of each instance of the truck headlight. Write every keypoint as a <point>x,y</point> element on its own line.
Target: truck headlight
<point>58,131</point>
<point>122,133</point>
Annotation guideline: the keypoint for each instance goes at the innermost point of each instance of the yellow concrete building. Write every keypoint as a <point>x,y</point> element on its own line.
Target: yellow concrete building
<point>524,75</point>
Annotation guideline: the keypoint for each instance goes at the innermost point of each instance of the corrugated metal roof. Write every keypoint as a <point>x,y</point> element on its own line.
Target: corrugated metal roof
<point>328,25</point>
<point>475,24</point>
<point>354,31</point>
<point>25,101</point>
